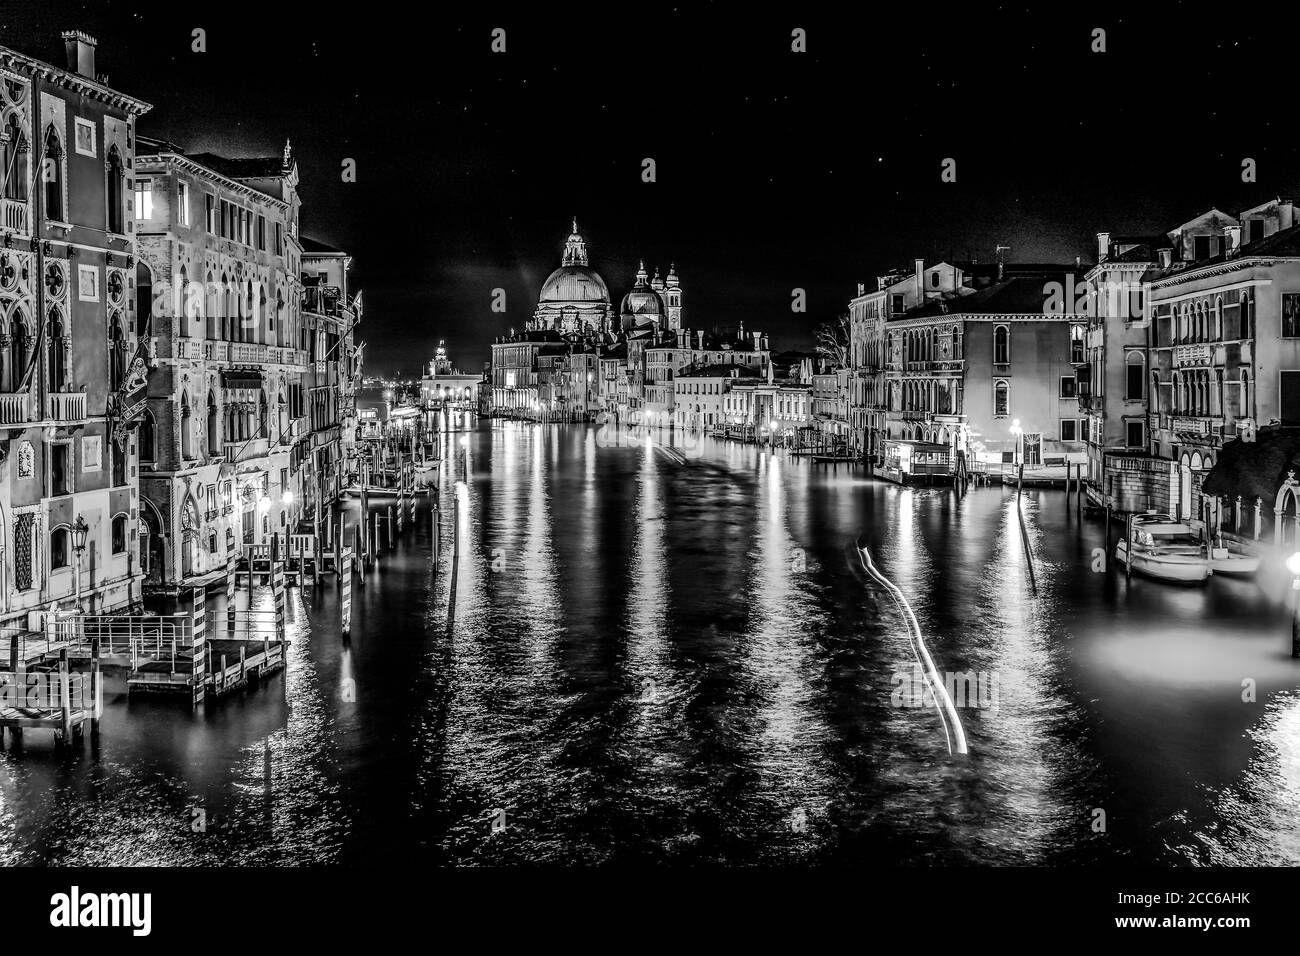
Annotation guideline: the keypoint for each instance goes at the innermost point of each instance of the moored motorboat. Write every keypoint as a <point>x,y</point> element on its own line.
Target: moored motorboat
<point>1235,564</point>
<point>1164,549</point>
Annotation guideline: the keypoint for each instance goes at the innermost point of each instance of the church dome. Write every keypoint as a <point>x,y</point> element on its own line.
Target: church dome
<point>574,284</point>
<point>643,299</point>
<point>642,302</point>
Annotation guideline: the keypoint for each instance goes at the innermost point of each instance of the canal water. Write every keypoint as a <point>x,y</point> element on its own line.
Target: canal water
<point>673,657</point>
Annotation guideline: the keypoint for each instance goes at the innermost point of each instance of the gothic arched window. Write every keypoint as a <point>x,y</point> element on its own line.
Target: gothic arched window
<point>59,353</point>
<point>116,192</point>
<point>52,175</point>
<point>14,156</point>
<point>1001,345</point>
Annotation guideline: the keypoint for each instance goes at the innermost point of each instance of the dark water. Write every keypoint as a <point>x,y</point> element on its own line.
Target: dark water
<point>650,660</point>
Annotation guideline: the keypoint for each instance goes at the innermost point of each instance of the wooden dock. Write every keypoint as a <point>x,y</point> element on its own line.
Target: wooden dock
<point>49,696</point>
<point>233,664</point>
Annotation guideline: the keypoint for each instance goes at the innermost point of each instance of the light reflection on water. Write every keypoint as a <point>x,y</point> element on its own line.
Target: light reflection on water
<point>657,660</point>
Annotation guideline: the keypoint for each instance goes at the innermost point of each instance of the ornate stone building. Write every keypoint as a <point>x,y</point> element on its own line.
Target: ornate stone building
<point>71,301</point>
<point>219,443</point>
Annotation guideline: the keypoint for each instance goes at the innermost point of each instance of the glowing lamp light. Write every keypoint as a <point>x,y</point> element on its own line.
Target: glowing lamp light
<point>264,501</point>
<point>1293,564</point>
<point>287,498</point>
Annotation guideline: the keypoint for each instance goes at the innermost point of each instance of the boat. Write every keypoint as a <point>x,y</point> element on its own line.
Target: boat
<point>1233,563</point>
<point>375,492</point>
<point>426,472</point>
<point>1164,549</point>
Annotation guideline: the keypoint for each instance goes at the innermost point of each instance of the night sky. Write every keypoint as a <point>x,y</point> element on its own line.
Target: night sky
<point>775,170</point>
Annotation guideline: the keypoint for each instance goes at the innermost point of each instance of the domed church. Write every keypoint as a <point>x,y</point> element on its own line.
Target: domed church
<point>574,297</point>
<point>575,301</point>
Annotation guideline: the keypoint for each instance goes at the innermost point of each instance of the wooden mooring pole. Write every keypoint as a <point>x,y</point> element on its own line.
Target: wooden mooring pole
<point>65,698</point>
<point>96,690</point>
<point>1128,546</point>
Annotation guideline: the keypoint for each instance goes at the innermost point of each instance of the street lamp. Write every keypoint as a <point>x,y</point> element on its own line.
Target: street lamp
<point>1293,565</point>
<point>79,531</point>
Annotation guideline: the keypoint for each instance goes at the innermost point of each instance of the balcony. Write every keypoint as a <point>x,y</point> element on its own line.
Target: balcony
<point>15,408</point>
<point>242,353</point>
<point>236,451</point>
<point>67,406</point>
<point>13,216</point>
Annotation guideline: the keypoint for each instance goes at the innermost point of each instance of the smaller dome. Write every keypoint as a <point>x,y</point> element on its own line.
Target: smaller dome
<point>642,302</point>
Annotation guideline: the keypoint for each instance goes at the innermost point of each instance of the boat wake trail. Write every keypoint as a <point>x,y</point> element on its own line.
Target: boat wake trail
<point>953,731</point>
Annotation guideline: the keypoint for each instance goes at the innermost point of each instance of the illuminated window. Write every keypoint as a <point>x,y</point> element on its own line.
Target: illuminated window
<point>1001,399</point>
<point>144,199</point>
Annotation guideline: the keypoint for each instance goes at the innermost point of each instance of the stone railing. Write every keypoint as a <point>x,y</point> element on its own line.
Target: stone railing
<point>15,408</point>
<point>244,450</point>
<point>13,215</point>
<point>67,406</point>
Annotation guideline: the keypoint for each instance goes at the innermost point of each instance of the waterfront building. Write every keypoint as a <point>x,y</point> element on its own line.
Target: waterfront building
<point>869,313</point>
<point>830,405</point>
<point>74,309</point>
<point>989,369</point>
<point>324,445</point>
<point>774,407</point>
<point>1225,344</point>
<point>700,394</point>
<point>444,384</point>
<point>219,449</point>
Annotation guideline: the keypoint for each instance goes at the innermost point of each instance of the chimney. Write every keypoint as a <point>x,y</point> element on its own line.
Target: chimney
<point>1103,246</point>
<point>1166,256</point>
<point>765,347</point>
<point>862,288</point>
<point>81,52</point>
<point>699,333</point>
<point>920,281</point>
<point>1232,238</point>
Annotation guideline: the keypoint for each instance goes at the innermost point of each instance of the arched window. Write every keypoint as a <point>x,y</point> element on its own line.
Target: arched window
<point>59,550</point>
<point>52,175</point>
<point>214,427</point>
<point>119,534</point>
<point>211,308</point>
<point>15,157</point>
<point>1136,375</point>
<point>1218,319</point>
<point>249,323</point>
<point>190,308</point>
<point>15,353</point>
<point>228,309</point>
<point>1247,317</point>
<point>59,352</point>
<point>1001,399</point>
<point>1155,391</point>
<point>145,439</point>
<point>1243,399</point>
<point>1002,345</point>
<point>187,429</point>
<point>116,192</point>
<point>1076,345</point>
<point>116,352</point>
